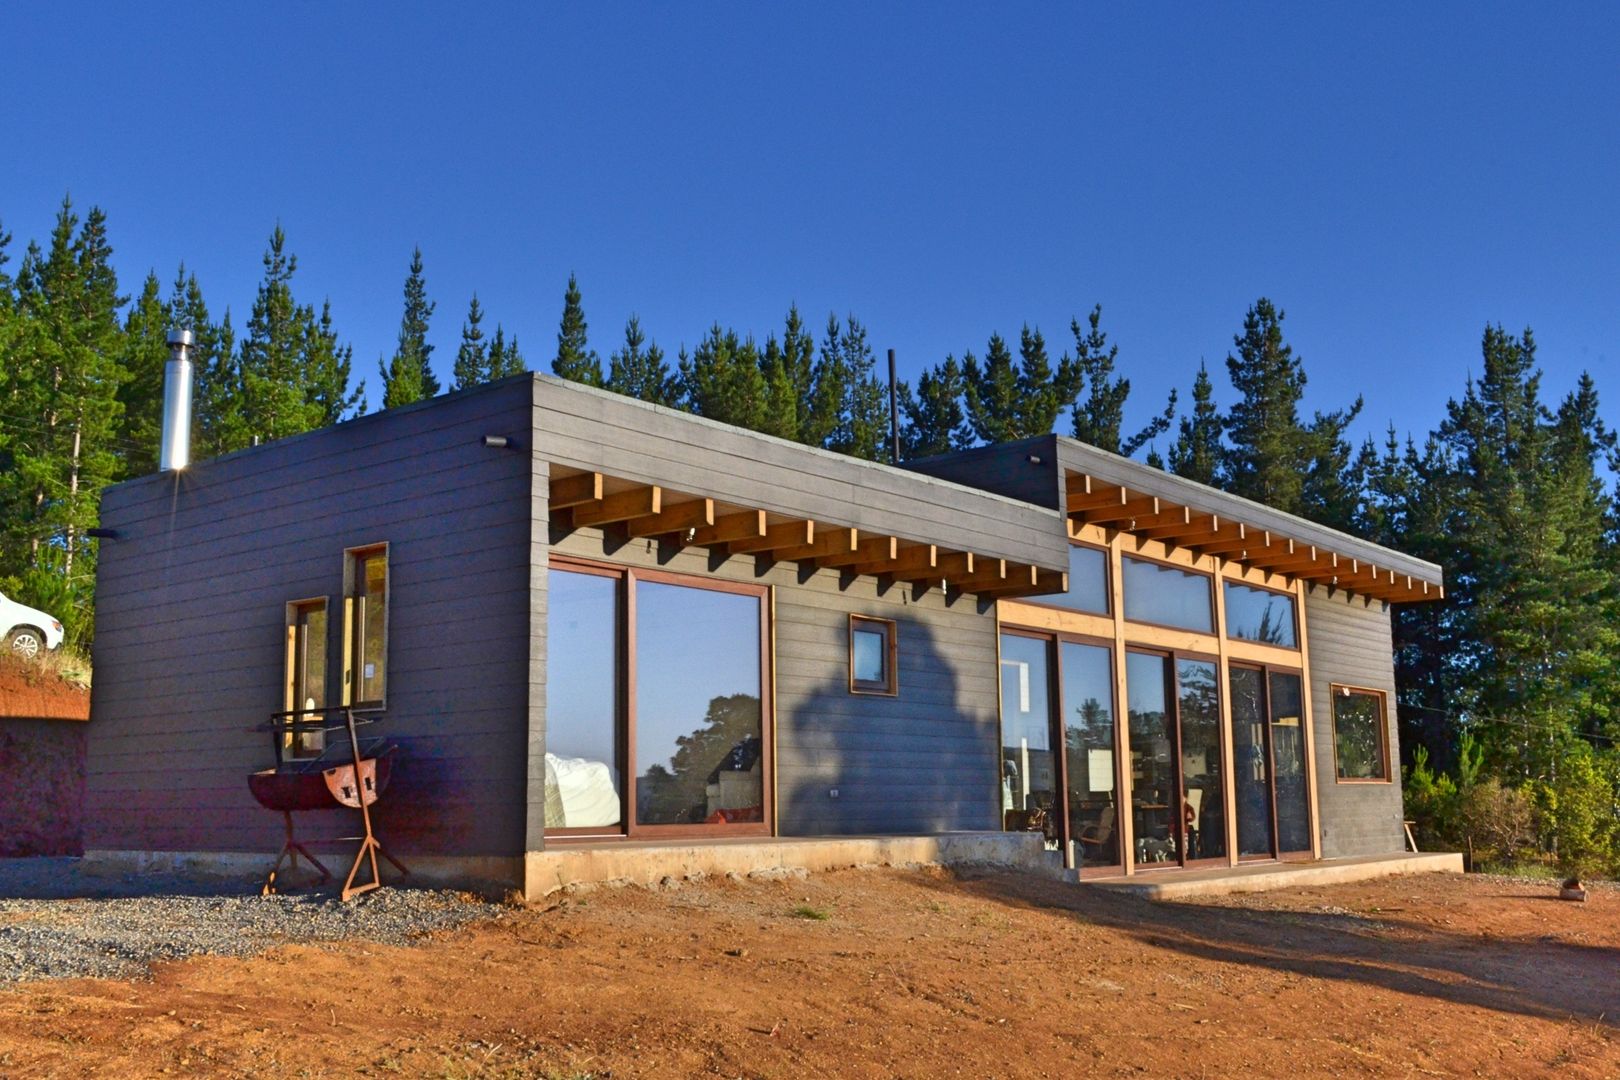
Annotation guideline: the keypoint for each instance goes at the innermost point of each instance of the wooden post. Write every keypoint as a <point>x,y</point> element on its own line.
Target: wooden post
<point>1308,726</point>
<point>1228,765</point>
<point>1125,824</point>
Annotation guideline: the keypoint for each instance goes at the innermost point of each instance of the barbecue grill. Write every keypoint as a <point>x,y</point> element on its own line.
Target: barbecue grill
<point>351,774</point>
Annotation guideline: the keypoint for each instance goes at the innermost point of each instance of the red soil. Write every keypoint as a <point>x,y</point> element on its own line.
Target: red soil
<point>36,692</point>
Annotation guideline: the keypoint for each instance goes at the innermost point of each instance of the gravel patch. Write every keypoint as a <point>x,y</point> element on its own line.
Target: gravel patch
<point>58,922</point>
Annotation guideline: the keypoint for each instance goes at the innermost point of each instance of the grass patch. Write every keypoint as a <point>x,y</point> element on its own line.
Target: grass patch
<point>805,911</point>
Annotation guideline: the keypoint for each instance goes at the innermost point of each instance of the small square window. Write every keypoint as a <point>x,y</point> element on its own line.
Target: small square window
<point>1360,734</point>
<point>872,656</point>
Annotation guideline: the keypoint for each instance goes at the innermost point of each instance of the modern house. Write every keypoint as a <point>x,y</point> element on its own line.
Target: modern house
<point>592,623</point>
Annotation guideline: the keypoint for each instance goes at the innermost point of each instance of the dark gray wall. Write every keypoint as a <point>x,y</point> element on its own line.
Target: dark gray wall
<point>922,762</point>
<point>1025,470</point>
<point>1351,644</point>
<point>189,642</point>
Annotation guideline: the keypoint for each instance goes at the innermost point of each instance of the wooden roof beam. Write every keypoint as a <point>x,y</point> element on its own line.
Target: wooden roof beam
<point>745,525</point>
<point>923,558</point>
<point>698,514</point>
<point>620,506</point>
<point>947,564</point>
<point>569,491</point>
<point>787,534</point>
<point>1230,540</point>
<point>1125,514</point>
<point>1022,582</point>
<point>1167,522</point>
<point>1302,558</point>
<point>879,550</point>
<point>827,541</point>
<point>987,574</point>
<point>1096,498</point>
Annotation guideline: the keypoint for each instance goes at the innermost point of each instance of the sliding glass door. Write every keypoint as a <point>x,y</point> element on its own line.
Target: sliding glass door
<point>1177,794</point>
<point>1268,739</point>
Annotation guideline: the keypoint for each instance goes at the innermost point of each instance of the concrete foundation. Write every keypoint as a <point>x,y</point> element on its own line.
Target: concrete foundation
<point>1187,884</point>
<point>650,862</point>
<point>490,874</point>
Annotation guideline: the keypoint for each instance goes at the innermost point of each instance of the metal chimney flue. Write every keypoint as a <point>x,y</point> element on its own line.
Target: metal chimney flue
<point>175,453</point>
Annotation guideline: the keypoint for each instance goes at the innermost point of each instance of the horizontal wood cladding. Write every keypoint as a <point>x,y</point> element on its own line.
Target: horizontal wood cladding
<point>190,642</point>
<point>1351,644</point>
<point>596,431</point>
<point>922,761</point>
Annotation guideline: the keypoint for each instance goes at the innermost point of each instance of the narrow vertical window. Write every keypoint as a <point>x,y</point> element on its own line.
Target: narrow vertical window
<point>366,637</point>
<point>872,656</point>
<point>306,678</point>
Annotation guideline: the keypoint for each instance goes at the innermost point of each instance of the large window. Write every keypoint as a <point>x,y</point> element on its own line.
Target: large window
<point>655,692</point>
<point>1177,797</point>
<point>1029,780</point>
<point>306,678</point>
<point>365,589</point>
<point>1167,596</point>
<point>1087,674</point>
<point>1268,743</point>
<point>1360,732</point>
<point>1088,582</point>
<point>1260,615</point>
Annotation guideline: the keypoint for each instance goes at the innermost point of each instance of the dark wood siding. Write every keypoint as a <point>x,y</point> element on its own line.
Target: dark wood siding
<point>189,643</point>
<point>923,761</point>
<point>1351,645</point>
<point>1025,470</point>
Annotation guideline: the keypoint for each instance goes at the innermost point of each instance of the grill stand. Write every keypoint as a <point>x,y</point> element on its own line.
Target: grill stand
<point>365,791</point>
<point>289,854</point>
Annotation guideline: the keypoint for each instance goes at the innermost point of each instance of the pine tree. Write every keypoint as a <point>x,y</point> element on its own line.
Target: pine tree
<point>1331,490</point>
<point>862,417</point>
<point>472,359</point>
<point>1099,417</point>
<point>1196,453</point>
<point>505,358</point>
<point>1268,447</point>
<point>830,389</point>
<point>294,377</point>
<point>721,379</point>
<point>65,353</point>
<point>790,375</point>
<point>935,422</point>
<point>574,359</point>
<point>409,375</point>
<point>1007,402</point>
<point>145,355</point>
<point>641,373</point>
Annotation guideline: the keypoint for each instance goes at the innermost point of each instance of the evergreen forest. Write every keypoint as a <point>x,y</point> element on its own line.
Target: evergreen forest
<point>1509,689</point>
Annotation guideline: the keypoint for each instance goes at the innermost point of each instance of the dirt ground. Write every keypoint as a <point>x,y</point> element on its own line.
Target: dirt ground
<point>879,974</point>
<point>38,691</point>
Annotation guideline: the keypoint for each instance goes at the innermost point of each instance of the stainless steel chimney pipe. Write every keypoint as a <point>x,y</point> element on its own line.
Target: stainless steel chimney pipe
<point>175,453</point>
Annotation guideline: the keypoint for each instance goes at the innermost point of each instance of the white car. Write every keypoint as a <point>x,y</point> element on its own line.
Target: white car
<point>28,631</point>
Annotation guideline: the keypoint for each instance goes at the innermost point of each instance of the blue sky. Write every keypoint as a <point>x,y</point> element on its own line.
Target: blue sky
<point>1394,177</point>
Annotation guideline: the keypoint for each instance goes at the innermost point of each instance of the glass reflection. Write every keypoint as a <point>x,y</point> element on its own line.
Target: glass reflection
<point>1167,596</point>
<point>1154,793</point>
<point>698,691</point>
<point>1288,755</point>
<point>1088,740</point>
<point>584,774</point>
<point>1202,806</point>
<point>1250,758</point>
<point>1259,615</point>
<point>1028,766</point>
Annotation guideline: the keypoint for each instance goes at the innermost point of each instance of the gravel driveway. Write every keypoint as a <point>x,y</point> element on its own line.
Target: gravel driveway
<point>59,921</point>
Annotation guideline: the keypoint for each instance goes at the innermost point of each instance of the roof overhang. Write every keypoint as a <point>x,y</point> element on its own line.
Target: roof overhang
<point>638,470</point>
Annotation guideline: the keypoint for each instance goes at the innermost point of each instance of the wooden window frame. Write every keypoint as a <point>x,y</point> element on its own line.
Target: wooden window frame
<point>1209,580</point>
<point>1108,586</point>
<point>629,828</point>
<point>354,627</point>
<point>1338,690</point>
<point>1293,610</point>
<point>296,639</point>
<point>889,685</point>
<point>1266,672</point>
<point>1173,703</point>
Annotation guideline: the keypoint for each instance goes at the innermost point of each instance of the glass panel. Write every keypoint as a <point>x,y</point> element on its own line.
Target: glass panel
<point>1252,783</point>
<point>1167,596</point>
<point>1088,740</point>
<point>1358,735</point>
<point>1288,759</point>
<point>1153,776</point>
<point>373,615</point>
<point>1259,615</point>
<point>867,656</point>
<point>698,720</point>
<point>309,678</point>
<point>1088,582</point>
<point>1028,766</point>
<point>1203,809</point>
<point>584,773</point>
